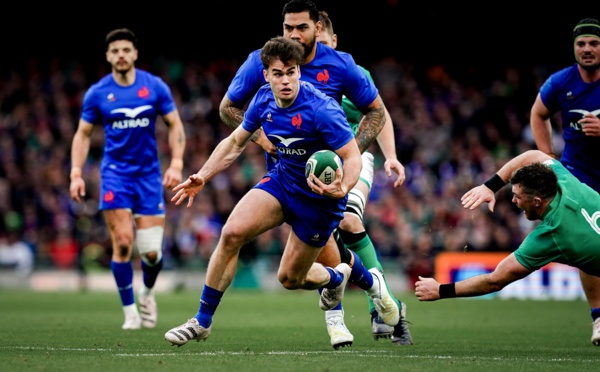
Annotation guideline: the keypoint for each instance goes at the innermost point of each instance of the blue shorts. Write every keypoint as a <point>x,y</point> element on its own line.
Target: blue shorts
<point>312,217</point>
<point>142,195</point>
<point>270,161</point>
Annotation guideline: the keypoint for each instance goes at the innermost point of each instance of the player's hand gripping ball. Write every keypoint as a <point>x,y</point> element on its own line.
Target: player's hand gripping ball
<point>323,165</point>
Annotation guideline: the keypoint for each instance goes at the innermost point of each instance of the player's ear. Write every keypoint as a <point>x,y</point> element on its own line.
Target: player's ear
<point>265,74</point>
<point>299,72</point>
<point>537,201</point>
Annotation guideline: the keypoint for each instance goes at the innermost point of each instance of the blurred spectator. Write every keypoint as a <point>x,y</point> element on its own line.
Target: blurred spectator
<point>16,254</point>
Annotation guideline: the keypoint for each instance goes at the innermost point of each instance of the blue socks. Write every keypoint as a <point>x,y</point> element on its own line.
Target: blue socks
<point>595,313</point>
<point>336,278</point>
<point>123,273</point>
<point>150,273</point>
<point>360,276</point>
<point>208,305</point>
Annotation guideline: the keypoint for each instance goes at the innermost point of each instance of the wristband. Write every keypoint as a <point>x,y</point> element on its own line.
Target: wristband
<point>447,290</point>
<point>495,183</point>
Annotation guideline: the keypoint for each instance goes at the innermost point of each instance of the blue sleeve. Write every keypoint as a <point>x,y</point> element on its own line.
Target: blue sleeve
<point>165,98</point>
<point>89,110</point>
<point>548,94</point>
<point>359,88</point>
<point>251,120</point>
<point>247,80</point>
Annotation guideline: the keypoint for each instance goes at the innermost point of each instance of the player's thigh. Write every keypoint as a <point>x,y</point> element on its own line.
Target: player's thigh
<point>120,224</point>
<point>297,258</point>
<point>330,254</point>
<point>144,221</point>
<point>257,212</point>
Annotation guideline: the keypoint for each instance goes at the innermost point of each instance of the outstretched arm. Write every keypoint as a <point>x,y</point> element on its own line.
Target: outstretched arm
<point>508,270</point>
<point>485,193</point>
<point>222,156</point>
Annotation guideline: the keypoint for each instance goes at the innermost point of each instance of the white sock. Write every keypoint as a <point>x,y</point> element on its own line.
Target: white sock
<point>130,310</point>
<point>144,291</point>
<point>332,313</point>
<point>376,287</point>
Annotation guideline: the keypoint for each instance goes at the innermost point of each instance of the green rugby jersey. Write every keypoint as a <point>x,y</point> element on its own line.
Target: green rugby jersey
<point>352,113</point>
<point>569,232</point>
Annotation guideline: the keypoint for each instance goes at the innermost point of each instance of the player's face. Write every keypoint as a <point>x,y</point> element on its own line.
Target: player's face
<point>121,55</point>
<point>524,202</point>
<point>284,81</point>
<point>587,52</point>
<point>299,27</point>
<point>327,38</point>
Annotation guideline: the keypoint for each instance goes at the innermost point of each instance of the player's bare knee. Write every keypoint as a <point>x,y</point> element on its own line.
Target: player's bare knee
<point>233,235</point>
<point>122,252</point>
<point>289,282</point>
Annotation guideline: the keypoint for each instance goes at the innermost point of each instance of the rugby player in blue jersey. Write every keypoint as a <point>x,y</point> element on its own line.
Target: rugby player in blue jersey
<point>300,120</point>
<point>337,75</point>
<point>575,92</point>
<point>126,103</point>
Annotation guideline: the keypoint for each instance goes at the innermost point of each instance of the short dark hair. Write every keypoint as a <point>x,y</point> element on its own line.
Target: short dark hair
<point>536,179</point>
<point>280,48</point>
<point>120,34</point>
<point>326,22</point>
<point>299,6</point>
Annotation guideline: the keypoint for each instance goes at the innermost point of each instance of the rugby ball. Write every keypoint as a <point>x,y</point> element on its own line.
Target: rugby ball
<point>323,164</point>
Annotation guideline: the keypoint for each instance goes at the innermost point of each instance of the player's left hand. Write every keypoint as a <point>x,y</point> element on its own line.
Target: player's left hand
<point>394,165</point>
<point>478,195</point>
<point>335,190</point>
<point>590,125</point>
<point>188,189</point>
<point>427,289</point>
<point>172,177</point>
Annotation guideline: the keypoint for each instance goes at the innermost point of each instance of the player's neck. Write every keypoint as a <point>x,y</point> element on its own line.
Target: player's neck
<point>124,78</point>
<point>589,76</point>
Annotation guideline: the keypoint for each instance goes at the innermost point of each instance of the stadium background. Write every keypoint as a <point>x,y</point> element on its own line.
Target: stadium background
<point>458,81</point>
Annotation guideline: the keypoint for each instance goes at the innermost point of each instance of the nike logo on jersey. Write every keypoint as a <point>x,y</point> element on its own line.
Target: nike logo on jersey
<point>285,141</point>
<point>131,113</point>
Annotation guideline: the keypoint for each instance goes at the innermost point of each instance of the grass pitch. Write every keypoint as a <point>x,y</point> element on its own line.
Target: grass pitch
<point>285,331</point>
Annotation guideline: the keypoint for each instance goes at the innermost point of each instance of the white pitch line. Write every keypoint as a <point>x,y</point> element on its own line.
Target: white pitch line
<point>363,354</point>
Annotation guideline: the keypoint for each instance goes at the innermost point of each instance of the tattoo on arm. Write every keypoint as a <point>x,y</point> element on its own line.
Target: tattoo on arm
<point>232,116</point>
<point>370,127</point>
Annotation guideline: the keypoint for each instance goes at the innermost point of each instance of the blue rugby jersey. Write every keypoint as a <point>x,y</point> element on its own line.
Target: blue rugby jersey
<point>313,122</point>
<point>564,91</point>
<point>128,115</point>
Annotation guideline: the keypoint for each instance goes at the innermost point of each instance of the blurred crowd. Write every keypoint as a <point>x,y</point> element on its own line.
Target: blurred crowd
<point>454,126</point>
